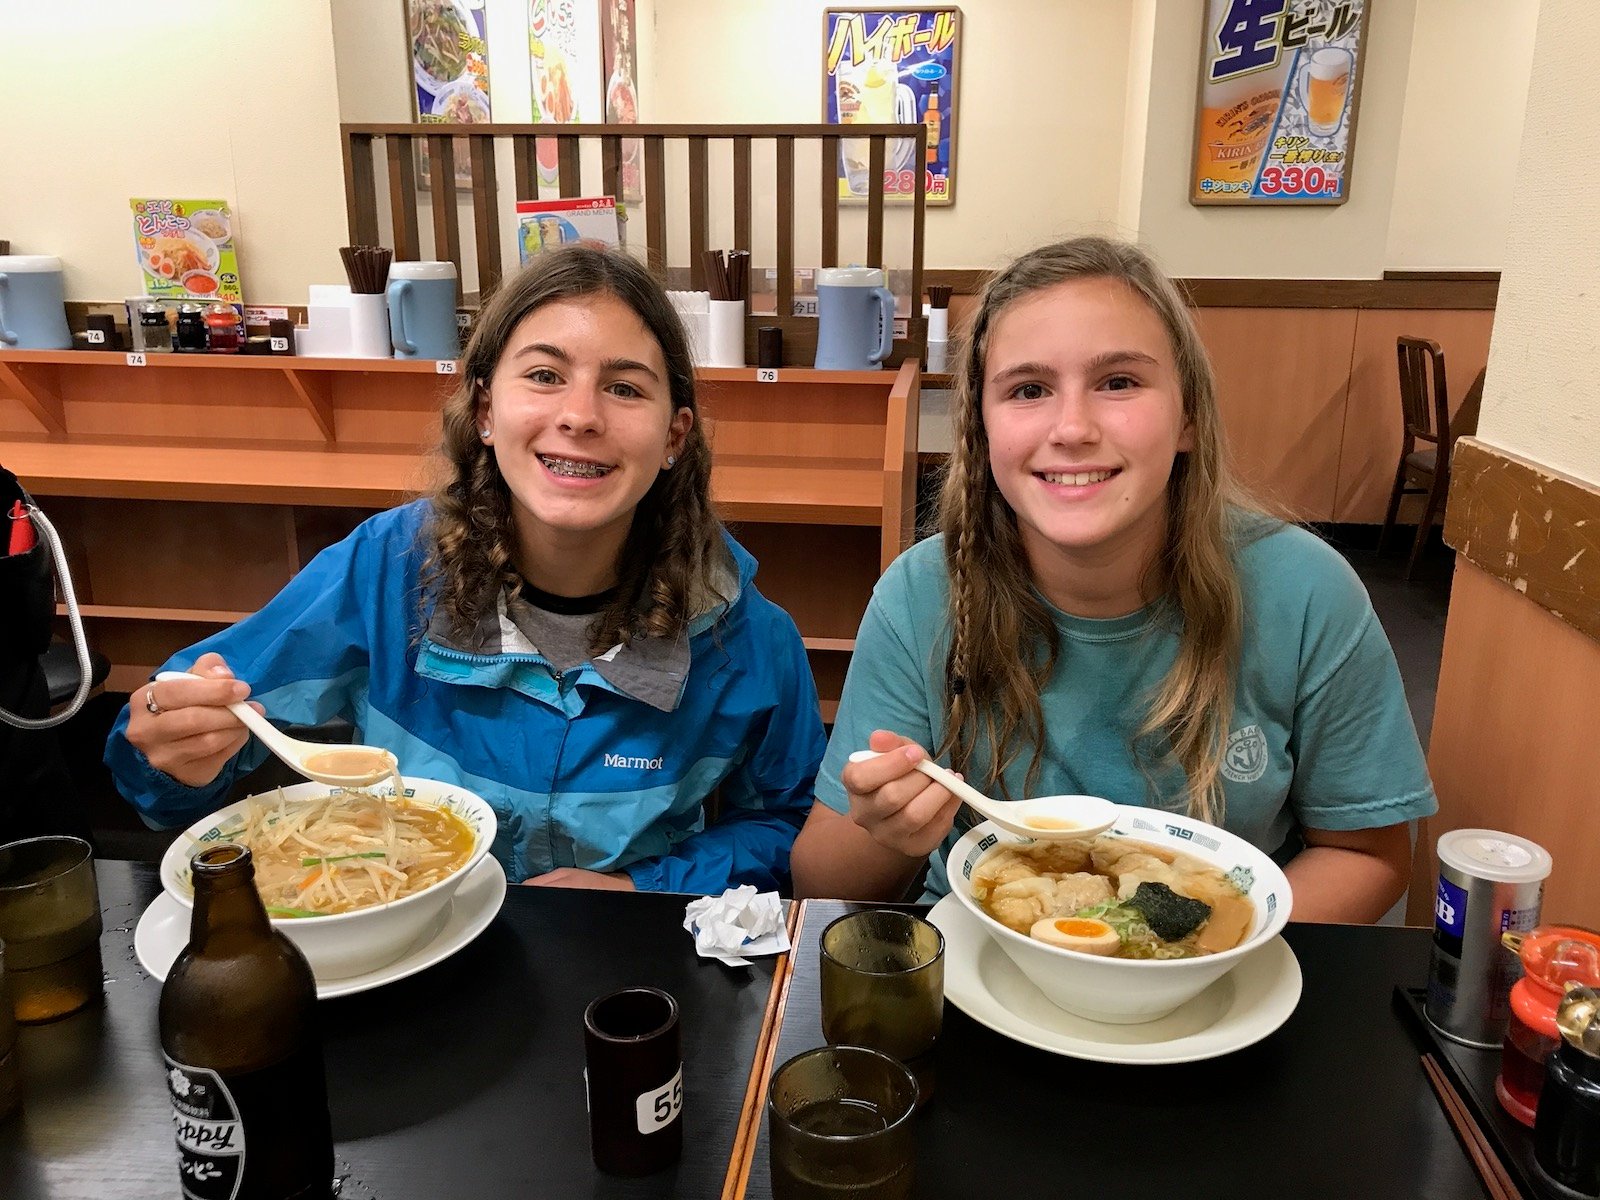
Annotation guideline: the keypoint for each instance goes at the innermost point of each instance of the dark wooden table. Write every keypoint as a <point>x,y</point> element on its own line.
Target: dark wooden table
<point>465,1080</point>
<point>1334,1104</point>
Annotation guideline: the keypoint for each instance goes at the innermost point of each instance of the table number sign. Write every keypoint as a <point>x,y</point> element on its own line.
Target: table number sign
<point>1280,84</point>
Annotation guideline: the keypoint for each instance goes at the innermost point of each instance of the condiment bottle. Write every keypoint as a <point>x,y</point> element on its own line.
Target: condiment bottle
<point>153,334</point>
<point>191,329</point>
<point>243,1051</point>
<point>1566,1135</point>
<point>1552,957</point>
<point>223,332</point>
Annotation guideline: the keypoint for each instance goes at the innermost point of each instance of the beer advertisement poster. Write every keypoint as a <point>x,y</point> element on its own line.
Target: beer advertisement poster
<point>1280,85</point>
<point>894,67</point>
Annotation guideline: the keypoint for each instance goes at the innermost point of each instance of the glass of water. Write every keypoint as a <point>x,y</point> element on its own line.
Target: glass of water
<point>840,1126</point>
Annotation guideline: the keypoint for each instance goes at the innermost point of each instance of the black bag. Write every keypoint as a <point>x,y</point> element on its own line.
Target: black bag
<point>27,591</point>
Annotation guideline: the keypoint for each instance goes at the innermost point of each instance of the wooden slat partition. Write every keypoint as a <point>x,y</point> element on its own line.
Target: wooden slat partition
<point>446,220</point>
<point>655,190</point>
<point>699,210</point>
<point>486,215</point>
<point>611,166</point>
<point>403,198</point>
<point>785,226</point>
<point>875,165</point>
<point>664,224</point>
<point>830,201</point>
<point>525,160</point>
<point>569,166</point>
<point>741,193</point>
<point>360,190</point>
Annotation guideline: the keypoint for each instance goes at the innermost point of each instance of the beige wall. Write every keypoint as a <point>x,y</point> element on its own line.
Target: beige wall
<point>93,123</point>
<point>1543,386</point>
<point>1466,90</point>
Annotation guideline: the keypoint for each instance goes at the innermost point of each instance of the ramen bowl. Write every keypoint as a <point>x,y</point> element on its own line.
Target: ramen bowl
<point>1121,991</point>
<point>342,945</point>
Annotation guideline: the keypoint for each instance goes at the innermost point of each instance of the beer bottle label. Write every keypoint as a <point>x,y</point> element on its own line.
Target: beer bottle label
<point>210,1133</point>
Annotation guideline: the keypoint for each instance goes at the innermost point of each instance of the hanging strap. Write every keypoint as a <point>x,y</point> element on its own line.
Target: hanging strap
<point>74,619</point>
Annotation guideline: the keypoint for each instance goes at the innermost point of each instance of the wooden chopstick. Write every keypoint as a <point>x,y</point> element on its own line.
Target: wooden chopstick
<point>755,1094</point>
<point>1484,1159</point>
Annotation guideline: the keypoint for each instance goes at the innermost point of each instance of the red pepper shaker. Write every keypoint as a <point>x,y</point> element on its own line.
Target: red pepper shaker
<point>1553,956</point>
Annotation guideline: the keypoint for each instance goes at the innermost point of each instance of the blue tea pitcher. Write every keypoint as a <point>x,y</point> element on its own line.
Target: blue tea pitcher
<point>33,309</point>
<point>422,310</point>
<point>855,319</point>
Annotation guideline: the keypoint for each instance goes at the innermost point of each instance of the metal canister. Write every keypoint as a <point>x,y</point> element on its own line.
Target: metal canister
<point>1489,883</point>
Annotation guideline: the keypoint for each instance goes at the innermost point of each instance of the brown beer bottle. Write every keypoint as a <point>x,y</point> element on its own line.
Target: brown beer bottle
<point>243,1052</point>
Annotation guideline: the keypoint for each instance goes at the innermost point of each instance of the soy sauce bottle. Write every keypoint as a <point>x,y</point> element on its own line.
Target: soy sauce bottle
<point>1566,1132</point>
<point>243,1051</point>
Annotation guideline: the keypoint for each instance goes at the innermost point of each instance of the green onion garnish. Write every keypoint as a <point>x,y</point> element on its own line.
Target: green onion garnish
<point>293,912</point>
<point>312,862</point>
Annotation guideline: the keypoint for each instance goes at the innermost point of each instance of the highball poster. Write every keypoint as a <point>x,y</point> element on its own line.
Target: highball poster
<point>894,67</point>
<point>1280,82</point>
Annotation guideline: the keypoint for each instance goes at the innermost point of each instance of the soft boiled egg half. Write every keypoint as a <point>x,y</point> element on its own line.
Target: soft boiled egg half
<point>1084,934</point>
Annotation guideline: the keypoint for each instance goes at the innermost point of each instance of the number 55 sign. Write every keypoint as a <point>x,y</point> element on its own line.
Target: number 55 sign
<point>1280,85</point>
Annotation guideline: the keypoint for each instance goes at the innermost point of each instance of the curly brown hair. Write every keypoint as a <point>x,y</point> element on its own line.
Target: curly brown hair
<point>673,553</point>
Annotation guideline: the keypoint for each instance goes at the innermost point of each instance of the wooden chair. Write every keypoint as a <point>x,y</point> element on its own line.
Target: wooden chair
<point>1425,411</point>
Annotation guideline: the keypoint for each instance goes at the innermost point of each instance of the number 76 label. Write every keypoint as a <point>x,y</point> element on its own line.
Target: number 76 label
<point>658,1109</point>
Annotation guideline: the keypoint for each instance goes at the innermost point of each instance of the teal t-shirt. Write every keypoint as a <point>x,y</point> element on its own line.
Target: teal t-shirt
<point>1320,738</point>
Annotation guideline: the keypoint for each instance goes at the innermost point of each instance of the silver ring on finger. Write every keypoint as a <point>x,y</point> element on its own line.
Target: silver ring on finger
<point>150,705</point>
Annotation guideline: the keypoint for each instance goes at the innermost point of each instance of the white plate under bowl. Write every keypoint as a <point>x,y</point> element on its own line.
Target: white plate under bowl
<point>163,931</point>
<point>1236,1011</point>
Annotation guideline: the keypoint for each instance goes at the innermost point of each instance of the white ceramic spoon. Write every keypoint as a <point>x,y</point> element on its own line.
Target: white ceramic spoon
<point>1044,818</point>
<point>323,762</point>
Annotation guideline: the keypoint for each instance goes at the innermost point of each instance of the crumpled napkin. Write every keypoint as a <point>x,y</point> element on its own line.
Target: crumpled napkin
<point>740,921</point>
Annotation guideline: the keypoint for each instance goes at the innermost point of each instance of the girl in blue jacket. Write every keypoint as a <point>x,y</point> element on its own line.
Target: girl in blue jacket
<point>563,627</point>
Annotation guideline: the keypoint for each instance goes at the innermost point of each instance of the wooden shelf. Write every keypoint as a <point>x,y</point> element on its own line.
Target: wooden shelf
<point>334,476</point>
<point>134,612</point>
<point>211,479</point>
<point>226,362</point>
<point>841,645</point>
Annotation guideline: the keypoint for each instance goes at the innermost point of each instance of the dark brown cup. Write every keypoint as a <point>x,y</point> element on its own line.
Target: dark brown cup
<point>883,982</point>
<point>839,1124</point>
<point>50,923</point>
<point>634,1077</point>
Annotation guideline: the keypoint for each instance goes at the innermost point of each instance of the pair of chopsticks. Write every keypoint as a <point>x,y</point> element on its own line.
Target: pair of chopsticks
<point>367,267</point>
<point>5,246</point>
<point>1484,1159</point>
<point>728,277</point>
<point>939,296</point>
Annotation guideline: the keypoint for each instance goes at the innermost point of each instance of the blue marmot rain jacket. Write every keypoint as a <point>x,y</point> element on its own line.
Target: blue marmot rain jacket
<point>605,766</point>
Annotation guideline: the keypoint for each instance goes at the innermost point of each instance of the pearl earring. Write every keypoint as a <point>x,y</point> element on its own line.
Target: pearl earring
<point>484,434</point>
<point>671,458</point>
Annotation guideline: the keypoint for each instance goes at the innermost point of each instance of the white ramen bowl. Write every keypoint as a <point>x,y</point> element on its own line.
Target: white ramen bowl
<point>353,943</point>
<point>1130,991</point>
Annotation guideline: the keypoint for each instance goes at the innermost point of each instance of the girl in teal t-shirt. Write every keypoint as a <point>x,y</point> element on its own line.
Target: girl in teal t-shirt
<point>1103,614</point>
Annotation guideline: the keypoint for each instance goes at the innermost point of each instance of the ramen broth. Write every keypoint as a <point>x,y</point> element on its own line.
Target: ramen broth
<point>1134,887</point>
<point>349,850</point>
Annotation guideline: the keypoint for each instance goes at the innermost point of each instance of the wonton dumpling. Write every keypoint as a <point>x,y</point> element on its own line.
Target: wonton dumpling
<point>1020,903</point>
<point>1148,870</point>
<point>1079,891</point>
<point>1109,853</point>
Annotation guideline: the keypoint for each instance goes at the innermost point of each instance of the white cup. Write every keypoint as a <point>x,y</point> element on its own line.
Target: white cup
<point>725,340</point>
<point>369,326</point>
